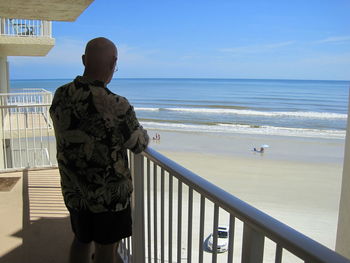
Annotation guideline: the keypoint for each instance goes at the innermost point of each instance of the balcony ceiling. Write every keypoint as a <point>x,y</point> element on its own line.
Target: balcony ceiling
<point>51,10</point>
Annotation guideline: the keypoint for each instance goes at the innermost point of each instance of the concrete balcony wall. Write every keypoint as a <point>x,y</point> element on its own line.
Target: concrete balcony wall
<point>57,10</point>
<point>25,46</point>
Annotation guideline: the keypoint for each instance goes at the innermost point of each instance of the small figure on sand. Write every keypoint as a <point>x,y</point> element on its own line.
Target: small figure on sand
<point>259,151</point>
<point>262,148</point>
<point>157,137</point>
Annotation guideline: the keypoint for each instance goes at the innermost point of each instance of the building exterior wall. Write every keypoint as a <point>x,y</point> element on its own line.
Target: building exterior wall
<point>25,46</point>
<point>343,232</point>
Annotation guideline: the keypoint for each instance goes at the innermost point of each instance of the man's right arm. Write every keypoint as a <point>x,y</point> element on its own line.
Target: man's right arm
<point>137,139</point>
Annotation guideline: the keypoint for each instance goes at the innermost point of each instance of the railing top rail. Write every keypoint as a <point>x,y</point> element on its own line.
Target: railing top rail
<point>33,91</point>
<point>26,105</point>
<point>289,238</point>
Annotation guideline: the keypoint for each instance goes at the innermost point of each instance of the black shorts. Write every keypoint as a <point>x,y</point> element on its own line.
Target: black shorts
<point>103,228</point>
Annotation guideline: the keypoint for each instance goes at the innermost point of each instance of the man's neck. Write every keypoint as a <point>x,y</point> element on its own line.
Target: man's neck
<point>94,76</point>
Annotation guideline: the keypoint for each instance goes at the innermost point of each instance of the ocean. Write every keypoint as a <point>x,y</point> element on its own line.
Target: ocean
<point>306,108</point>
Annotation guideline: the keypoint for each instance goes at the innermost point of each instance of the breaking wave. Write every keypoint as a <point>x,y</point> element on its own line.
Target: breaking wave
<point>295,114</point>
<point>246,129</point>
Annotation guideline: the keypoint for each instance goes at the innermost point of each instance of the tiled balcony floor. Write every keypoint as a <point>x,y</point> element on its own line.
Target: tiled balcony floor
<point>34,223</point>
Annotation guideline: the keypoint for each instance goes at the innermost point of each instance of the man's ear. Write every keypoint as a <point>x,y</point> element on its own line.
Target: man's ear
<point>113,63</point>
<point>83,59</point>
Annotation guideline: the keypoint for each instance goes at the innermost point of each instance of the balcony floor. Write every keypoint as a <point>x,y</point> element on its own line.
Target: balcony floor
<point>34,225</point>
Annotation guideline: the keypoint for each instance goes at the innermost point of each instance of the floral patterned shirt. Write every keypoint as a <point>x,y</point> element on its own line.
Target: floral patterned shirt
<point>94,128</point>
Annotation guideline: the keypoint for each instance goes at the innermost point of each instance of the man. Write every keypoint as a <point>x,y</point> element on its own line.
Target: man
<point>94,127</point>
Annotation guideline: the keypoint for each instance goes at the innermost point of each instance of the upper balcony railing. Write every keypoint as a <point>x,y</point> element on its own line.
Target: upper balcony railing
<point>25,28</point>
<point>26,131</point>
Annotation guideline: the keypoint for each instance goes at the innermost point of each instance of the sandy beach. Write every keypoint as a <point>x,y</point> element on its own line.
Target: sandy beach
<point>296,180</point>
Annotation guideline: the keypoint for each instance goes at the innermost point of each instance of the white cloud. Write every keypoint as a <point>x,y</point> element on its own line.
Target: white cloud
<point>65,51</point>
<point>339,60</point>
<point>334,39</point>
<point>257,48</point>
<point>64,60</point>
<point>281,44</point>
<point>131,55</point>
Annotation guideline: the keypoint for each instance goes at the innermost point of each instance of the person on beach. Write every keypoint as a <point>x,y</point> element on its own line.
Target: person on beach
<point>94,128</point>
<point>259,151</point>
<point>157,137</point>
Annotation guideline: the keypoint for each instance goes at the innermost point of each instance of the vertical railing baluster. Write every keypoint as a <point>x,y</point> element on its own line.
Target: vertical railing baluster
<point>201,229</point>
<point>149,211</point>
<point>252,245</point>
<point>32,109</point>
<point>49,123</point>
<point>155,207</point>
<point>25,120</point>
<point>215,233</point>
<point>19,140</point>
<point>190,218</point>
<point>179,220</point>
<point>231,236</point>
<point>162,216</point>
<point>138,239</point>
<point>3,121</point>
<point>2,27</point>
<point>129,250</point>
<point>41,28</point>
<point>41,136</point>
<point>170,222</point>
<point>7,158</point>
<point>278,255</point>
<point>123,248</point>
<point>10,158</point>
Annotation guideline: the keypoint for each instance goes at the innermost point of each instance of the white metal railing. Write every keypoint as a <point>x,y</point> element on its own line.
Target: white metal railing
<point>26,97</point>
<point>176,209</point>
<point>26,130</point>
<point>24,27</point>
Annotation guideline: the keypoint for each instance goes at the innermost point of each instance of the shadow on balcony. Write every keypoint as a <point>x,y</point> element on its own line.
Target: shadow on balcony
<point>43,234</point>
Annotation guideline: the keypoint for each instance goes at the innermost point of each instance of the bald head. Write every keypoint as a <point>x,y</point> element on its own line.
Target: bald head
<point>100,59</point>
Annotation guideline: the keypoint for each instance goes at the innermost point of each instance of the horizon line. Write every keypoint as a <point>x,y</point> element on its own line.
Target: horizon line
<point>185,78</point>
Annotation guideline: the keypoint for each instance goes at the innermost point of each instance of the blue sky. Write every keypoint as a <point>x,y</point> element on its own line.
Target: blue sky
<point>205,39</point>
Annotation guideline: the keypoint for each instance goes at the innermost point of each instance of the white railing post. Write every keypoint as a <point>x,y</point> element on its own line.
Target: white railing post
<point>252,246</point>
<point>42,32</point>
<point>2,26</point>
<point>138,237</point>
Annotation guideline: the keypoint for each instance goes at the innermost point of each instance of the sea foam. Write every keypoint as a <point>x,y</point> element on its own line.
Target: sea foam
<point>293,114</point>
<point>247,129</point>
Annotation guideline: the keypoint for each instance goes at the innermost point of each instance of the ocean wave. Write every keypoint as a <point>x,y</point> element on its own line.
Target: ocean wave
<point>147,109</point>
<point>294,114</point>
<point>247,129</point>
